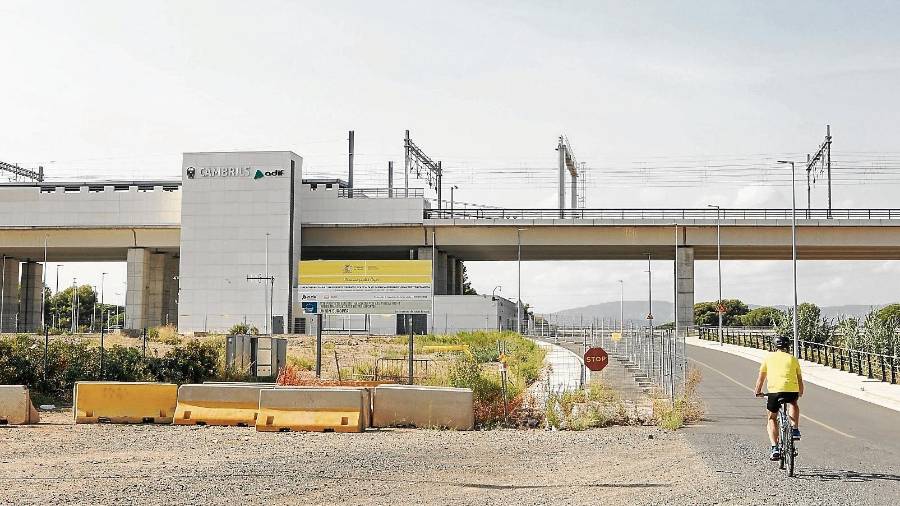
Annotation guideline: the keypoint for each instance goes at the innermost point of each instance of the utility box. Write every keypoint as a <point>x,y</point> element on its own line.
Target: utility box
<point>258,356</point>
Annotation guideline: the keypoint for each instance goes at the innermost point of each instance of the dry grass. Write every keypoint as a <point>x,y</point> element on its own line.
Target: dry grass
<point>687,408</point>
<point>596,406</point>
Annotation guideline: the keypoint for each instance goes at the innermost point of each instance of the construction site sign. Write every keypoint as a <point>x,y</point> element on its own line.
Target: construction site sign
<point>364,287</point>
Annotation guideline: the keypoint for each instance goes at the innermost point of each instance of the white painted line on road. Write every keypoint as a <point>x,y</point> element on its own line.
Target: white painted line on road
<point>738,383</point>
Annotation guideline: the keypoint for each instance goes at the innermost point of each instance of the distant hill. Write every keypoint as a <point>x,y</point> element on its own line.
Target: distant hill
<point>636,311</point>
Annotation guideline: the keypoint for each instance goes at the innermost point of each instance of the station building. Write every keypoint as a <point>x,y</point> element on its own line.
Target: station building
<point>218,246</point>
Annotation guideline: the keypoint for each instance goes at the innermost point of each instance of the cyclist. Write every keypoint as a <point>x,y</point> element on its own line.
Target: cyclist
<point>785,385</point>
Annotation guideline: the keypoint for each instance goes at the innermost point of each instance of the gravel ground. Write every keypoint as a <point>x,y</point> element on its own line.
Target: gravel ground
<point>57,462</point>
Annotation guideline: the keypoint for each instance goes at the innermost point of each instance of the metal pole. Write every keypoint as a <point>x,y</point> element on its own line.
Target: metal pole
<point>562,177</point>
<point>266,308</point>
<point>519,282</point>
<point>391,179</point>
<point>44,286</point>
<point>794,247</point>
<point>319,345</point>
<point>828,163</point>
<point>406,164</point>
<point>719,266</point>
<point>350,166</point>
<point>3,295</point>
<point>102,328</point>
<point>794,251</point>
<point>808,187</point>
<point>433,267</point>
<point>411,345</point>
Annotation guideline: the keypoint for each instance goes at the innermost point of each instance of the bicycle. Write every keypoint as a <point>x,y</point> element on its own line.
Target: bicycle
<point>785,439</point>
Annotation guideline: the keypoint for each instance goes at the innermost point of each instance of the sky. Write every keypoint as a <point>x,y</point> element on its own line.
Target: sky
<point>668,104</point>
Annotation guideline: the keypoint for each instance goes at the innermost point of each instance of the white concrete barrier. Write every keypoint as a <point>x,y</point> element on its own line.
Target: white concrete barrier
<point>233,404</point>
<point>420,406</point>
<point>16,407</point>
<point>327,409</point>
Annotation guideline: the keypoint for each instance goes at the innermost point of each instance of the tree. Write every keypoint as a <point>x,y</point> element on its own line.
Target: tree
<point>765,316</point>
<point>888,312</point>
<point>467,286</point>
<point>60,305</point>
<point>705,312</point>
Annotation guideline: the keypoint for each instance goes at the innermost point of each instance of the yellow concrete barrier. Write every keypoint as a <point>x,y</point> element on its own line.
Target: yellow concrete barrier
<point>419,406</point>
<point>124,402</point>
<point>329,409</point>
<point>233,404</point>
<point>16,407</point>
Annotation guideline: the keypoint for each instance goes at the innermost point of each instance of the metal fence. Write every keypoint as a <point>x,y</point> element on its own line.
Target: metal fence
<point>663,214</point>
<point>658,360</point>
<point>381,193</point>
<point>872,365</point>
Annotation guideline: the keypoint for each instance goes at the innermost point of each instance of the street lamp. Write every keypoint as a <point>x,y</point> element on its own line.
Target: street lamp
<point>719,306</point>
<point>519,265</point>
<point>794,253</point>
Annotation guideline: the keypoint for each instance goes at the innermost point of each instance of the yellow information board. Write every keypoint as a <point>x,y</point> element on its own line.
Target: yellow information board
<point>616,336</point>
<point>364,287</point>
<point>363,272</point>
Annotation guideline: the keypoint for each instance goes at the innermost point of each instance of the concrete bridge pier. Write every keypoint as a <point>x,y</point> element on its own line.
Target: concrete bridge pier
<point>30,287</point>
<point>684,287</point>
<point>149,297</point>
<point>9,294</point>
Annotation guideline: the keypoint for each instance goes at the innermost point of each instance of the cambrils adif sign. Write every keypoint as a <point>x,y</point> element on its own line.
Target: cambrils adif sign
<point>364,287</point>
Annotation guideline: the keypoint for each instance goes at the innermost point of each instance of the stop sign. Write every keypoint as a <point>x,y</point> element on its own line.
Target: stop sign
<point>596,359</point>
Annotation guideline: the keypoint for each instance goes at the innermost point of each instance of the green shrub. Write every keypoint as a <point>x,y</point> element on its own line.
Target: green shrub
<point>243,328</point>
<point>22,363</point>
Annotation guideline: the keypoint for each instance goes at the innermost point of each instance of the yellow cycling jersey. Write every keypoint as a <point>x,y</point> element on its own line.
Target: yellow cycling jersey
<point>782,372</point>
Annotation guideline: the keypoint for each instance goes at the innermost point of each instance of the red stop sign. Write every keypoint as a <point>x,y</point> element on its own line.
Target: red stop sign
<point>596,359</point>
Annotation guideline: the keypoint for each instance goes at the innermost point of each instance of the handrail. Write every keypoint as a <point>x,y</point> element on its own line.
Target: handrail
<point>381,193</point>
<point>661,214</point>
<point>872,365</point>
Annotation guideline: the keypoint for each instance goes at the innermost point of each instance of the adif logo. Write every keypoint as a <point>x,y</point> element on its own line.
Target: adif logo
<point>260,174</point>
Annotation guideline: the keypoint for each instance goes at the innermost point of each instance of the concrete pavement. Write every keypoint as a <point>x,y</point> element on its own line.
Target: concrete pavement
<point>860,387</point>
<point>850,451</point>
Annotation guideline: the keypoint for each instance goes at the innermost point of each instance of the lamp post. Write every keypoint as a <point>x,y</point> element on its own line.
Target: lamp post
<point>794,253</point>
<point>719,264</point>
<point>519,265</point>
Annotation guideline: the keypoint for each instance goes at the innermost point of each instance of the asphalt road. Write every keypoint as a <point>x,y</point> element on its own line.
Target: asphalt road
<point>850,452</point>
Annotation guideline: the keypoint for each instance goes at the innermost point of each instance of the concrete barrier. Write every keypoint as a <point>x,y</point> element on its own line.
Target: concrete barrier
<point>329,409</point>
<point>124,402</point>
<point>16,407</point>
<point>232,404</point>
<point>419,406</point>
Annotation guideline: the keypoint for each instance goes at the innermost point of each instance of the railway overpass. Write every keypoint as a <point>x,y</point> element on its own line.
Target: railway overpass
<point>145,223</point>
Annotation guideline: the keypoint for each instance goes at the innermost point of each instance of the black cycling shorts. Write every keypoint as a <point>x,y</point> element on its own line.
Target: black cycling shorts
<point>773,399</point>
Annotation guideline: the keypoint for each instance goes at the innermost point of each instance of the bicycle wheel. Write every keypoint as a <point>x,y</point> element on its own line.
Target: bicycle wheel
<point>782,443</point>
<point>791,455</point>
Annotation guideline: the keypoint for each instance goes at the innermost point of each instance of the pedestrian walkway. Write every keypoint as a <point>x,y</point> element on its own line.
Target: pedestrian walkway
<point>860,387</point>
<point>564,368</point>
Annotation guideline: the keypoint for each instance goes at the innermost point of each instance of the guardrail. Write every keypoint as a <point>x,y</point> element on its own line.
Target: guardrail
<point>661,214</point>
<point>872,365</point>
<point>381,193</point>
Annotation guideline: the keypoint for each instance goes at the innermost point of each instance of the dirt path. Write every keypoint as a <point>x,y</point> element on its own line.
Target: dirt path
<point>105,464</point>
